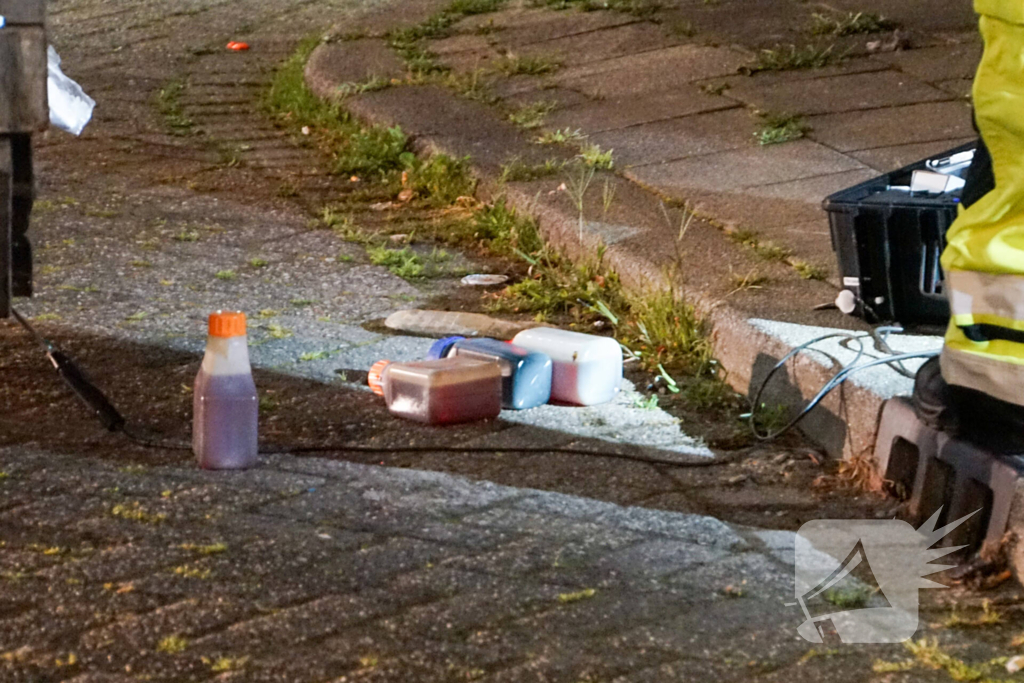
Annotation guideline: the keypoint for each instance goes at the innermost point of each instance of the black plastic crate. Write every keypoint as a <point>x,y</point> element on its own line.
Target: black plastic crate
<point>888,244</point>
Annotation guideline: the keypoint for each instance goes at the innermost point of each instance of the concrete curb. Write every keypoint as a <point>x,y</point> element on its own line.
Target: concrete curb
<point>845,424</point>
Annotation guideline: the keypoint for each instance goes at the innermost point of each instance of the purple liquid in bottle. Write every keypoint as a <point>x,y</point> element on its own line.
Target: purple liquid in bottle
<point>225,415</point>
<point>225,408</point>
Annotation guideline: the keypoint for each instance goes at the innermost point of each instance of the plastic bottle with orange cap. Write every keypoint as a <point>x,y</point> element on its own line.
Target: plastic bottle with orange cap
<point>225,407</point>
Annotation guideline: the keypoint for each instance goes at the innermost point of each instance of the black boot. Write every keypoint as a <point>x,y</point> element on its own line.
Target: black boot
<point>932,398</point>
<point>967,414</point>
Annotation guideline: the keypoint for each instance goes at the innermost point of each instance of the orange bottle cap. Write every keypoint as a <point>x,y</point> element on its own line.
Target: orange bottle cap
<point>227,324</point>
<point>375,378</point>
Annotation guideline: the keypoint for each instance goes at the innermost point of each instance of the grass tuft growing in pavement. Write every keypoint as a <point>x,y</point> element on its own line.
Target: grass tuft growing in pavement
<point>665,332</point>
<point>356,149</point>
<point>567,598</point>
<point>535,65</point>
<point>928,654</point>
<point>440,178</point>
<point>409,42</point>
<point>137,513</point>
<point>222,664</point>
<point>172,644</point>
<point>765,249</point>
<point>809,271</point>
<point>168,103</point>
<point>531,115</point>
<point>790,57</point>
<point>211,549</point>
<point>637,8</point>
<point>850,23</point>
<point>407,264</point>
<point>516,170</point>
<point>659,330</point>
<point>777,128</point>
<point>560,137</point>
<point>595,157</point>
<point>988,617</point>
<point>848,598</point>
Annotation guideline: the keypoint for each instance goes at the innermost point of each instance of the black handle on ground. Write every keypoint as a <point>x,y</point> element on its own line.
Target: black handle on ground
<point>92,397</point>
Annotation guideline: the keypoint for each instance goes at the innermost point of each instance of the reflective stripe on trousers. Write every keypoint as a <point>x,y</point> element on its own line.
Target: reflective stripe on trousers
<point>984,257</point>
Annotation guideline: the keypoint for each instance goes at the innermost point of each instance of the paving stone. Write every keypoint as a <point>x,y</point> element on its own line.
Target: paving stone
<point>809,241</point>
<point>595,46</point>
<point>812,190</point>
<point>469,61</point>
<point>885,159</point>
<point>853,131</point>
<point>562,98</point>
<point>839,94</point>
<point>928,15</point>
<point>431,110</point>
<point>462,42</point>
<point>616,113</point>
<point>617,421</point>
<point>846,67</point>
<point>936,64</point>
<point>293,625</point>
<point>518,27</point>
<point>143,631</point>
<point>459,616</point>
<point>650,72</point>
<point>961,88</point>
<point>743,168</point>
<point>696,529</point>
<point>648,561</point>
<point>539,554</point>
<point>656,143</point>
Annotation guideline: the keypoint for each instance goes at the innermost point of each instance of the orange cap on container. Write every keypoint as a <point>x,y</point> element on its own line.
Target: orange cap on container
<point>375,378</point>
<point>227,324</point>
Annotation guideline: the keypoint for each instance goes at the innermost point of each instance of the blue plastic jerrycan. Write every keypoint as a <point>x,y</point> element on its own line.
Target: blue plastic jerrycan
<point>525,375</point>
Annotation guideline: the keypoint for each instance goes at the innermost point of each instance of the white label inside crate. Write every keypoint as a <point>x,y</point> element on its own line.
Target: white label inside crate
<point>851,282</point>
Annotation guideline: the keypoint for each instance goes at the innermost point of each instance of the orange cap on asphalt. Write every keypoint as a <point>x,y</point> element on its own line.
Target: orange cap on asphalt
<point>227,324</point>
<point>375,378</point>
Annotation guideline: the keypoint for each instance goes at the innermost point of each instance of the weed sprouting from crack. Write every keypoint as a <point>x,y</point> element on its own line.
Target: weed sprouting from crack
<point>516,170</point>
<point>136,513</point>
<point>849,23</point>
<point>172,644</point>
<point>407,264</point>
<point>560,137</point>
<point>637,8</point>
<point>370,85</point>
<point>577,184</point>
<point>809,271</point>
<point>356,149</point>
<point>532,115</point>
<point>595,157</point>
<point>777,128</point>
<point>789,57</point>
<point>168,102</point>
<point>409,41</point>
<point>529,65</point>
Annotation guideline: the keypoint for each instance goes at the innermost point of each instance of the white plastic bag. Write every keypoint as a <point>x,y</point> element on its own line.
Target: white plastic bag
<point>70,107</point>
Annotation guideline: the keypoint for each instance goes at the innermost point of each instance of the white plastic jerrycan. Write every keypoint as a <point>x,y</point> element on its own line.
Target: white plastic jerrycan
<point>587,369</point>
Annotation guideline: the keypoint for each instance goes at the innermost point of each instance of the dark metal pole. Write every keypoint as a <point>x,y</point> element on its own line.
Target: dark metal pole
<point>6,215</point>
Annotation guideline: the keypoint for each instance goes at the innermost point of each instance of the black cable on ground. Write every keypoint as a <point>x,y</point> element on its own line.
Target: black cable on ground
<point>386,450</point>
<point>879,335</point>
